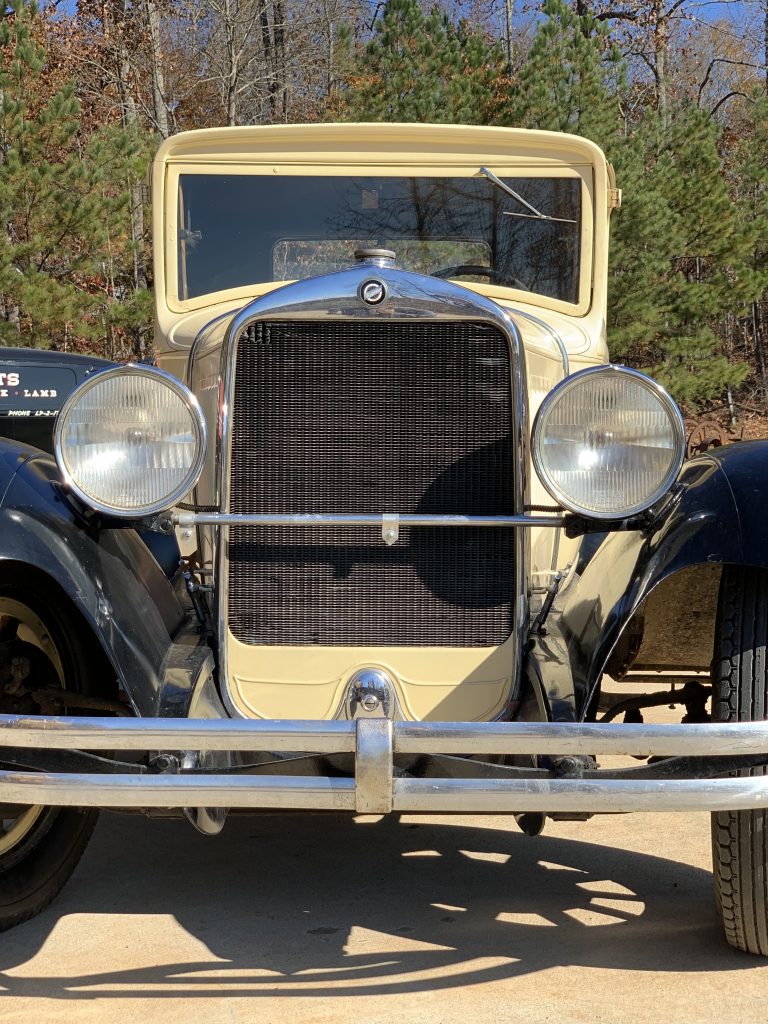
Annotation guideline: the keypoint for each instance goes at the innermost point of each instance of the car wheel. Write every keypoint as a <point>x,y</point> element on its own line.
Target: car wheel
<point>740,694</point>
<point>42,648</point>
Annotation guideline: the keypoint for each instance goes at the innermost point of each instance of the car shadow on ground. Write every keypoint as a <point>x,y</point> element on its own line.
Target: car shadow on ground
<point>292,904</point>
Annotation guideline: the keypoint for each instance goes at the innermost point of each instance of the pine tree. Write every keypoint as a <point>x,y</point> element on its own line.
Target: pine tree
<point>424,67</point>
<point>638,300</point>
<point>680,258</point>
<point>679,255</point>
<point>63,203</point>
<point>571,79</point>
<point>750,171</point>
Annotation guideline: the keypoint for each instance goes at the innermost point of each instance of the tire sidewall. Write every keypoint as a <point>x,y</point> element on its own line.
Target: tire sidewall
<point>34,871</point>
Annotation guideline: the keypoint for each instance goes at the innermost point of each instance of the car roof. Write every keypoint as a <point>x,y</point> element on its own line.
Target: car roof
<point>38,355</point>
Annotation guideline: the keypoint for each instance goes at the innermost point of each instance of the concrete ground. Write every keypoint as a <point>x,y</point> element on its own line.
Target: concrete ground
<point>320,919</point>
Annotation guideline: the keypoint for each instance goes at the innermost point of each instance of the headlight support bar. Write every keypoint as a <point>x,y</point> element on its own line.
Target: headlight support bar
<point>388,523</point>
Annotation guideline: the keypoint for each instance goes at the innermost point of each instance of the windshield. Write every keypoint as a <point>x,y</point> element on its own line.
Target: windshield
<point>237,230</point>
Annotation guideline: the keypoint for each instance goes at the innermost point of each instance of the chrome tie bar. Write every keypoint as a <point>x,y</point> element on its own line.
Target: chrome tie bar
<point>381,521</point>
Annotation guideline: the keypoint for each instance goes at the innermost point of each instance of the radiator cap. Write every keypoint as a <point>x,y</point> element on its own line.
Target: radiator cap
<point>380,256</point>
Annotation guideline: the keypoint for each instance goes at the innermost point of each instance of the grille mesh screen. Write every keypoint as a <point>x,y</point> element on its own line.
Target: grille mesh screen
<point>371,417</point>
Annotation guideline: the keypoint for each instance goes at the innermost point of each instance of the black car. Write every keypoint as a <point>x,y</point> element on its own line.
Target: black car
<point>33,386</point>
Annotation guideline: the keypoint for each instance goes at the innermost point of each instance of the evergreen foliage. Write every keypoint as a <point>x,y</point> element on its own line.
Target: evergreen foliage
<point>571,79</point>
<point>682,253</point>
<point>679,259</point>
<point>66,243</point>
<point>679,253</point>
<point>424,67</point>
<point>83,89</point>
<point>751,185</point>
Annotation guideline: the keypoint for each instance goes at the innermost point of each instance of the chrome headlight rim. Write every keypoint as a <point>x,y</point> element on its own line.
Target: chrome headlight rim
<point>666,401</point>
<point>198,422</point>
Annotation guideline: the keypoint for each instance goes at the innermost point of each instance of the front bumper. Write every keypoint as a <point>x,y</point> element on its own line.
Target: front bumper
<point>374,745</point>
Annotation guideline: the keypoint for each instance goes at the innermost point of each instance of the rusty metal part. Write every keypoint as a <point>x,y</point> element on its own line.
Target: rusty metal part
<point>693,695</point>
<point>52,701</point>
<point>701,435</point>
<point>67,699</point>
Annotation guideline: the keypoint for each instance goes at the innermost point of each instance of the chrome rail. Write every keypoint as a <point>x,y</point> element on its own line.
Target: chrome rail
<point>379,520</point>
<point>491,796</point>
<point>269,792</point>
<point>175,734</point>
<point>582,738</point>
<point>374,743</point>
<point>339,737</point>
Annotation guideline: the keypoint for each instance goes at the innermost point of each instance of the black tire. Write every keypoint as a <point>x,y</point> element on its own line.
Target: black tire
<point>740,694</point>
<point>44,865</point>
<point>34,870</point>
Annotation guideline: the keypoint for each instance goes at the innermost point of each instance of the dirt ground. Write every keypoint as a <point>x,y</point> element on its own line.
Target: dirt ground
<point>320,919</point>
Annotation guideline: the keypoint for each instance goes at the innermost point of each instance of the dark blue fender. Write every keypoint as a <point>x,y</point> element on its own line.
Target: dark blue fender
<point>104,568</point>
<point>716,514</point>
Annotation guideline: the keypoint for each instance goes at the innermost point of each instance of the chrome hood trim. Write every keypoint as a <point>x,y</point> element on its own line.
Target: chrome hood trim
<point>337,296</point>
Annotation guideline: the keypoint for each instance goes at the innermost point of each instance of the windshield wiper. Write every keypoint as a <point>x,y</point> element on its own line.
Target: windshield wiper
<point>534,214</point>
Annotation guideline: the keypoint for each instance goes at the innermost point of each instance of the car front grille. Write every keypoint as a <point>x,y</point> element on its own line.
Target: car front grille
<point>371,417</point>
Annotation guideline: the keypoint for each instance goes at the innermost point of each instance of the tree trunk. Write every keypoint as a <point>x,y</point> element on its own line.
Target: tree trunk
<point>266,40</point>
<point>130,117</point>
<point>757,335</point>
<point>279,68</point>
<point>160,107</point>
<point>508,33</point>
<point>231,43</point>
<point>661,71</point>
<point>8,310</point>
<point>330,31</point>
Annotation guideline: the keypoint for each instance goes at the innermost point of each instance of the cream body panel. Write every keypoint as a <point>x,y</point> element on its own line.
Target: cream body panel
<point>433,683</point>
<point>207,327</point>
<point>203,375</point>
<point>386,149</point>
<point>405,144</point>
<point>171,300</point>
<point>551,550</point>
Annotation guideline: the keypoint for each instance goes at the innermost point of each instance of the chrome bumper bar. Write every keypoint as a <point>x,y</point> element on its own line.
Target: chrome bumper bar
<point>374,742</point>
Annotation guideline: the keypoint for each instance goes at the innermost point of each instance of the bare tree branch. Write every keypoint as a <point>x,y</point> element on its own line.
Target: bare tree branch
<point>736,92</point>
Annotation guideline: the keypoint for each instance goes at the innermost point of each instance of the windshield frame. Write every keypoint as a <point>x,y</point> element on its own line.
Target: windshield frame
<point>506,169</point>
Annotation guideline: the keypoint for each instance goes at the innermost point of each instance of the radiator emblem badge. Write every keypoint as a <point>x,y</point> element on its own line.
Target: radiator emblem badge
<point>370,694</point>
<point>372,292</point>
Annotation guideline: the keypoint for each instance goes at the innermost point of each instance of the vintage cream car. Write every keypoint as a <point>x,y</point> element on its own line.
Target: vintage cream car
<point>423,523</point>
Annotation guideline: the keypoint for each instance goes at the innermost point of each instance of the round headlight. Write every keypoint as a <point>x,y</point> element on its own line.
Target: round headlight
<point>130,441</point>
<point>608,442</point>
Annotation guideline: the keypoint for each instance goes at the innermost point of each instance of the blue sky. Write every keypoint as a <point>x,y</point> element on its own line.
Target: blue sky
<point>735,16</point>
